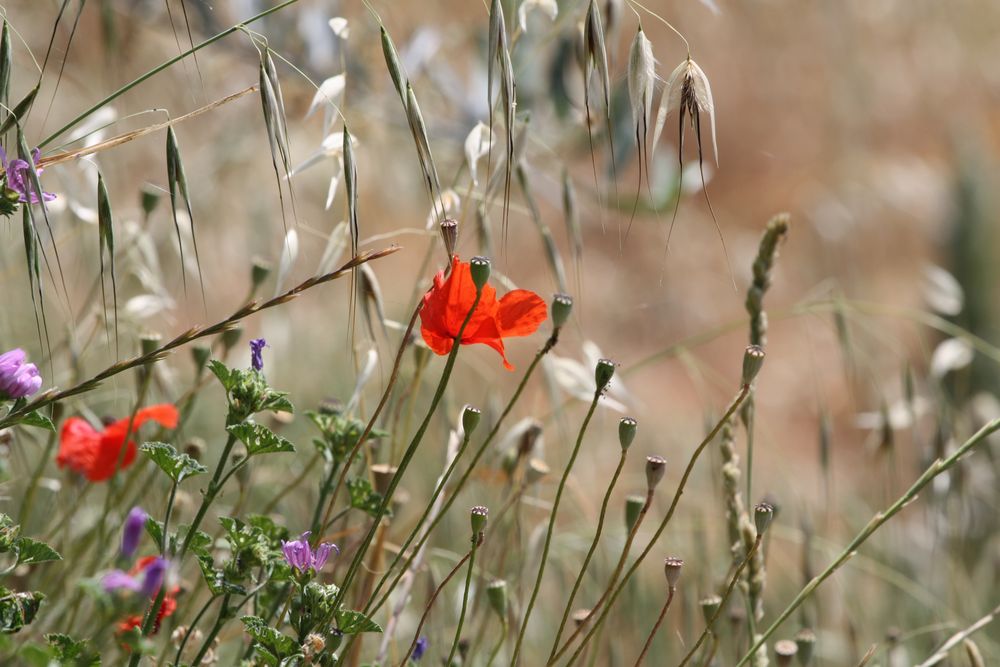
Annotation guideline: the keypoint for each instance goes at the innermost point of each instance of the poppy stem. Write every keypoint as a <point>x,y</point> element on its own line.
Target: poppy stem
<point>656,626</point>
<point>465,601</point>
<point>407,457</point>
<point>430,603</point>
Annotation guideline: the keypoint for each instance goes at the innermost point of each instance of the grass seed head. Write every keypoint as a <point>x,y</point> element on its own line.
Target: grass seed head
<point>641,78</point>
<point>689,93</point>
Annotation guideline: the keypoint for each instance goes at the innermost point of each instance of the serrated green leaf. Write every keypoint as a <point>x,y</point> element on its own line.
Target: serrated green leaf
<point>37,419</point>
<point>18,609</point>
<point>259,439</point>
<point>177,465</point>
<point>277,643</point>
<point>364,497</point>
<point>222,372</point>
<point>69,651</point>
<point>354,622</point>
<point>30,552</point>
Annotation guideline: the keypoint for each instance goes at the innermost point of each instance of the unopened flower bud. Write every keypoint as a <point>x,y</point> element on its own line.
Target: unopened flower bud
<point>672,569</point>
<point>805,640</point>
<point>537,470</point>
<point>633,508</point>
<point>710,607</point>
<point>656,468</point>
<point>477,517</point>
<point>480,268</point>
<point>762,515</point>
<point>135,523</point>
<point>470,419</point>
<point>784,651</point>
<point>626,432</point>
<point>753,359</point>
<point>562,307</point>
<point>603,373</point>
<point>496,594</point>
<point>449,233</point>
<point>259,271</point>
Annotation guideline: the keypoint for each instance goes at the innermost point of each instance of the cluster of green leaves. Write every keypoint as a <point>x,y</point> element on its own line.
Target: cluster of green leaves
<point>254,546</point>
<point>34,418</point>
<point>248,392</point>
<point>338,434</point>
<point>18,609</point>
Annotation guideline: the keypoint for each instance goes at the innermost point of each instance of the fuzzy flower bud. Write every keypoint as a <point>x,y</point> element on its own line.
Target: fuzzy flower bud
<point>656,468</point>
<point>480,268</point>
<point>753,359</point>
<point>496,594</point>
<point>626,431</point>
<point>562,307</point>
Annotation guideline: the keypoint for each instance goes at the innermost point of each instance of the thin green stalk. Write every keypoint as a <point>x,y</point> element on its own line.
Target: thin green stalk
<point>499,645</point>
<point>590,552</point>
<point>430,603</point>
<point>939,466</point>
<point>315,525</point>
<point>722,605</point>
<point>224,615</point>
<point>194,624</point>
<point>371,608</point>
<point>408,455</point>
<point>733,407</point>
<point>36,476</point>
<point>166,518</point>
<point>465,601</point>
<point>552,524</point>
<point>208,497</point>
<point>656,626</point>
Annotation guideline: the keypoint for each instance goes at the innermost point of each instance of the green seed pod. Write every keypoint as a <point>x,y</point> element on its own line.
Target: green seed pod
<point>477,517</point>
<point>762,515</point>
<point>710,607</point>
<point>603,373</point>
<point>562,307</point>
<point>784,652</point>
<point>633,508</point>
<point>805,639</point>
<point>656,468</point>
<point>480,268</point>
<point>672,569</point>
<point>496,594</point>
<point>626,431</point>
<point>470,419</point>
<point>753,359</point>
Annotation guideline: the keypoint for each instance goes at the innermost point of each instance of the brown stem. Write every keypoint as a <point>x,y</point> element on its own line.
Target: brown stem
<point>656,626</point>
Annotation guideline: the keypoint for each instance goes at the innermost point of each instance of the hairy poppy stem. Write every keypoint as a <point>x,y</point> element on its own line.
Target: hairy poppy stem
<point>552,524</point>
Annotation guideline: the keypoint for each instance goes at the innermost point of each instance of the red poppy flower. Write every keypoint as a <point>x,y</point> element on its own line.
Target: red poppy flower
<point>94,453</point>
<point>167,607</point>
<point>517,313</point>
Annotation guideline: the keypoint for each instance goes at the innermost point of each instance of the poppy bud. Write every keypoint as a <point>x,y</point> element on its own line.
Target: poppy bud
<point>710,607</point>
<point>672,569</point>
<point>603,373</point>
<point>477,517</point>
<point>626,432</point>
<point>784,651</point>
<point>259,271</point>
<point>449,233</point>
<point>805,640</point>
<point>753,359</point>
<point>479,267</point>
<point>537,470</point>
<point>496,594</point>
<point>201,353</point>
<point>656,468</point>
<point>762,515</point>
<point>149,342</point>
<point>562,306</point>
<point>470,419</point>
<point>633,508</point>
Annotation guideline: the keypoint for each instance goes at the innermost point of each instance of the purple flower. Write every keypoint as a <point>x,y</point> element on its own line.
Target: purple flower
<point>418,650</point>
<point>17,378</point>
<point>153,576</point>
<point>132,531</point>
<point>18,180</point>
<point>117,580</point>
<point>301,556</point>
<point>256,353</point>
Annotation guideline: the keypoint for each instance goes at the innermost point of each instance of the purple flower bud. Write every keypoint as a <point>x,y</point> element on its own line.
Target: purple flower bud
<point>256,353</point>
<point>117,580</point>
<point>419,649</point>
<point>153,576</point>
<point>17,378</point>
<point>135,522</point>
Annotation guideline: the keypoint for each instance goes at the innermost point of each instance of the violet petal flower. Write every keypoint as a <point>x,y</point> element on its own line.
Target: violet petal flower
<point>117,580</point>
<point>153,576</point>
<point>256,353</point>
<point>300,555</point>
<point>18,179</point>
<point>18,379</point>
<point>419,649</point>
<point>135,522</point>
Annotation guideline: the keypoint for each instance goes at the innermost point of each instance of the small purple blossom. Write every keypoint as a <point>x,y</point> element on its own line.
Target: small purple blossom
<point>118,580</point>
<point>257,353</point>
<point>17,378</point>
<point>135,522</point>
<point>153,576</point>
<point>18,180</point>
<point>301,556</point>
<point>419,649</point>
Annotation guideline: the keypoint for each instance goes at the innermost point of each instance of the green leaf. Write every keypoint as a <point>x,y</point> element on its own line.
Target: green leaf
<point>216,580</point>
<point>200,543</point>
<point>37,419</point>
<point>259,439</point>
<point>18,609</point>
<point>178,465</point>
<point>69,651</point>
<point>277,643</point>
<point>354,622</point>
<point>364,497</point>
<point>222,372</point>
<point>31,551</point>
<point>17,113</point>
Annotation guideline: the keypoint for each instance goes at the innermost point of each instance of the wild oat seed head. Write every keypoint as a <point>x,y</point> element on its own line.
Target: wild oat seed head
<point>784,652</point>
<point>562,306</point>
<point>762,515</point>
<point>753,360</point>
<point>470,419</point>
<point>688,92</point>
<point>672,569</point>
<point>496,594</point>
<point>656,468</point>
<point>805,640</point>
<point>633,508</point>
<point>480,269</point>
<point>626,431</point>
<point>477,516</point>
<point>641,78</point>
<point>710,606</point>
<point>603,373</point>
<point>449,234</point>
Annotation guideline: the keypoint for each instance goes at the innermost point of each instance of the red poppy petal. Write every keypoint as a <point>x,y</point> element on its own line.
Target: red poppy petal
<point>78,444</point>
<point>439,344</point>
<point>487,333</point>
<point>164,414</point>
<point>520,313</point>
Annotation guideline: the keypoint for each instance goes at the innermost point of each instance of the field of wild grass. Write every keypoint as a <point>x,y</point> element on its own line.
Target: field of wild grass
<point>515,332</point>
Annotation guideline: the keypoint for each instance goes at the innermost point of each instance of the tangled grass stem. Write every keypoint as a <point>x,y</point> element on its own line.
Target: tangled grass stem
<point>939,466</point>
